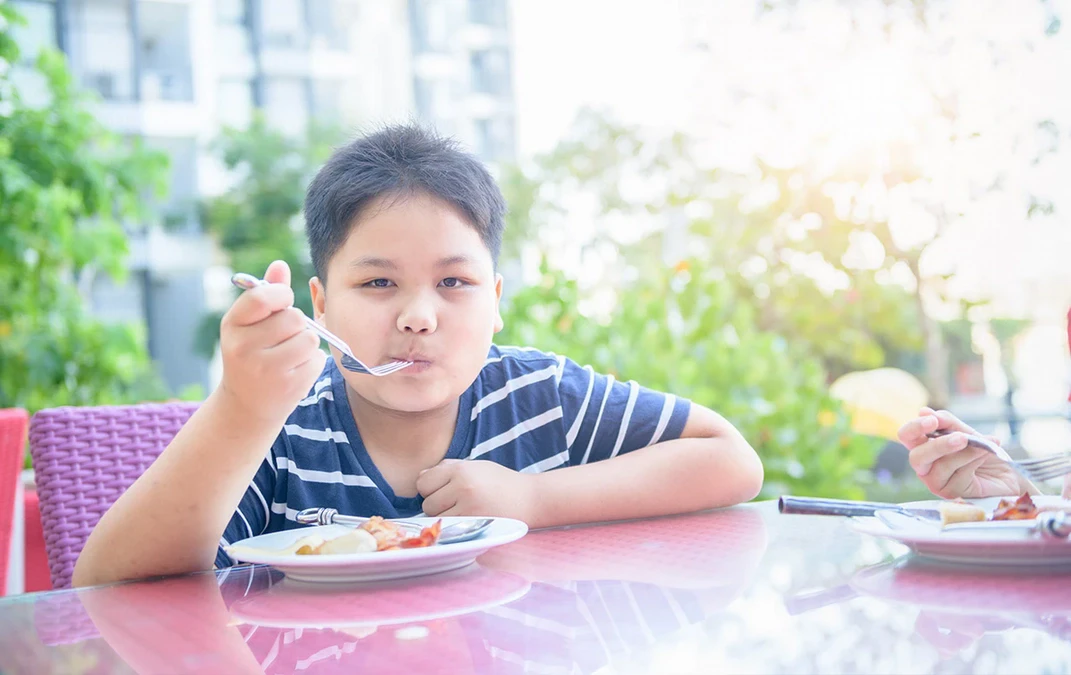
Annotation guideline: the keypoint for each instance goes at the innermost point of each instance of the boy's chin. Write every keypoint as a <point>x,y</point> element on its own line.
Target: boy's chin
<point>411,399</point>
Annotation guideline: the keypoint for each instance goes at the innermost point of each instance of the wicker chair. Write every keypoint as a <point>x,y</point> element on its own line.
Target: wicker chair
<point>84,458</point>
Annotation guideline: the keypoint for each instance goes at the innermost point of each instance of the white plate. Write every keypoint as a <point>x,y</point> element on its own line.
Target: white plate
<point>997,546</point>
<point>377,565</point>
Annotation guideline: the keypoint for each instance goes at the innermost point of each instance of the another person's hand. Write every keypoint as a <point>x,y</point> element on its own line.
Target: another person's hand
<point>270,358</point>
<point>949,467</point>
<point>475,488</point>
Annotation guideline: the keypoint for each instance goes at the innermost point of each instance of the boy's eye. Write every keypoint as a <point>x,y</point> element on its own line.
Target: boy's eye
<point>379,283</point>
<point>451,282</point>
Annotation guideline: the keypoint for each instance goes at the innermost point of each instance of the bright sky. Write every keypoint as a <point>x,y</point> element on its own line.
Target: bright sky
<point>815,84</point>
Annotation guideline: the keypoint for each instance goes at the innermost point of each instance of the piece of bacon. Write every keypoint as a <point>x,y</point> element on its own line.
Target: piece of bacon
<point>427,537</point>
<point>1022,508</point>
<point>391,537</point>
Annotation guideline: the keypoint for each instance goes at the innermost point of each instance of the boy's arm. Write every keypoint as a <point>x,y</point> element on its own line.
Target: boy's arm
<point>171,519</point>
<point>709,465</point>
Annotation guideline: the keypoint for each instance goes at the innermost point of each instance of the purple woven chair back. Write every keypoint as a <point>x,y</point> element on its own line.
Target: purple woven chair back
<point>83,459</point>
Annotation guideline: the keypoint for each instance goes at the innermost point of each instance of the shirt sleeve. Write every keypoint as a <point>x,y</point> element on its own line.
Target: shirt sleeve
<point>604,417</point>
<point>253,514</point>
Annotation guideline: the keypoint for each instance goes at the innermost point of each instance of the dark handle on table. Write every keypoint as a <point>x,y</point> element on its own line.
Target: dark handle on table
<point>813,506</point>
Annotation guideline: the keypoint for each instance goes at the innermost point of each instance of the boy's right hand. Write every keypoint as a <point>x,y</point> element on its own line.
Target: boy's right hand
<point>270,358</point>
<point>949,467</point>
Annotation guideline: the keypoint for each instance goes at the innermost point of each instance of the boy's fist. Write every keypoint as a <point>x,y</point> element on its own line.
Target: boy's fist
<point>270,358</point>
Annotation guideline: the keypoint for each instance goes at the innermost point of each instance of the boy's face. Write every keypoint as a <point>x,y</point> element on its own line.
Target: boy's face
<point>413,281</point>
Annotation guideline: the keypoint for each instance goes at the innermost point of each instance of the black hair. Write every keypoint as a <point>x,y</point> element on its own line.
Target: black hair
<point>399,160</point>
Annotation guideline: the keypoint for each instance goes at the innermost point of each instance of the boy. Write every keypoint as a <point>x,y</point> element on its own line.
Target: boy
<point>404,231</point>
<point>951,469</point>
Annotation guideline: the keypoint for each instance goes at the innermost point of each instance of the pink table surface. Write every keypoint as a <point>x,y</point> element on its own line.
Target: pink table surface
<point>739,590</point>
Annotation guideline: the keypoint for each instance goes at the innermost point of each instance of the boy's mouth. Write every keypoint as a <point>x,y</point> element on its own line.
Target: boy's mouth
<point>420,362</point>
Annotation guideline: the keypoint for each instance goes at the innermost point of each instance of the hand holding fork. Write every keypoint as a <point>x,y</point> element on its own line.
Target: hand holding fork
<point>953,460</point>
<point>349,361</point>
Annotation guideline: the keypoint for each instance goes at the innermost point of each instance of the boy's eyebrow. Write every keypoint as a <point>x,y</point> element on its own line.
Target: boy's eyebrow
<point>455,260</point>
<point>373,261</point>
<point>384,263</point>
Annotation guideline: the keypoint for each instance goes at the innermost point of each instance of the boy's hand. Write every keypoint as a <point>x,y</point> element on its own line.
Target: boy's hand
<point>950,468</point>
<point>456,487</point>
<point>270,358</point>
<point>1067,487</point>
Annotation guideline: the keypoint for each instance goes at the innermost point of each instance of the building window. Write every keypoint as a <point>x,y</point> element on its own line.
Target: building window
<point>490,71</point>
<point>330,21</point>
<point>286,105</point>
<point>234,103</point>
<point>494,139</point>
<point>429,25</point>
<point>327,100</point>
<point>164,51</point>
<point>285,25</point>
<point>102,46</point>
<point>234,30</point>
<point>179,209</point>
<point>487,12</point>
<point>39,31</point>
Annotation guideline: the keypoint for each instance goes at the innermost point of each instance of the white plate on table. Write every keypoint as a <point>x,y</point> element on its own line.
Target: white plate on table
<point>996,545</point>
<point>376,565</point>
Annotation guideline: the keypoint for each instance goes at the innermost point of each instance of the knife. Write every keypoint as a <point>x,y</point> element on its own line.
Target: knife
<point>813,506</point>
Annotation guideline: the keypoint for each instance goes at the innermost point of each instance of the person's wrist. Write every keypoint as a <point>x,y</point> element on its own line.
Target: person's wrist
<point>537,503</point>
<point>235,408</point>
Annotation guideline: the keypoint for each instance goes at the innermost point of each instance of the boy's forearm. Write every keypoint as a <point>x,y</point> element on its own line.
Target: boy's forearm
<point>678,476</point>
<point>171,519</point>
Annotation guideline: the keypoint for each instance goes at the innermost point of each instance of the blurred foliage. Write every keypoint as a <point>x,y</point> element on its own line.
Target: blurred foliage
<point>776,238</point>
<point>686,330</point>
<point>67,187</point>
<point>258,220</point>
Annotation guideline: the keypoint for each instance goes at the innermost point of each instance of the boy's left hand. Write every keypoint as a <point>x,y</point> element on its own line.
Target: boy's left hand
<point>455,487</point>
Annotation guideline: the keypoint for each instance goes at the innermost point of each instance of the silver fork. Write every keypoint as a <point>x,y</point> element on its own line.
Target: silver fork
<point>1039,469</point>
<point>1048,467</point>
<point>349,361</point>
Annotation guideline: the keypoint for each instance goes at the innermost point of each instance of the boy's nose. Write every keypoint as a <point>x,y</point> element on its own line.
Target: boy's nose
<point>417,316</point>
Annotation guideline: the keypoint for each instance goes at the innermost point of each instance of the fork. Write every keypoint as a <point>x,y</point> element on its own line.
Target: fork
<point>349,361</point>
<point>1038,469</point>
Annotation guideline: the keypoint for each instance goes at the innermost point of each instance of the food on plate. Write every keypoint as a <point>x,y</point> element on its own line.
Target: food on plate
<point>354,541</point>
<point>375,534</point>
<point>960,512</point>
<point>1022,508</point>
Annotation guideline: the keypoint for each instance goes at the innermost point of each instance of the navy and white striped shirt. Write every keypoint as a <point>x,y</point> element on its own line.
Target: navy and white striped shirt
<point>527,410</point>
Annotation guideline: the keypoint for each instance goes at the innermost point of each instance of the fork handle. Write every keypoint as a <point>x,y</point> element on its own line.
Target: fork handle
<point>247,281</point>
<point>329,516</point>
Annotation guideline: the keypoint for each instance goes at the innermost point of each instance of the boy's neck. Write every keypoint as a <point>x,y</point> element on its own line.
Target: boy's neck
<point>423,437</point>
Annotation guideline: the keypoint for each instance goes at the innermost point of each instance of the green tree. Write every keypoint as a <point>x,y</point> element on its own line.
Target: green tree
<point>67,186</point>
<point>687,331</point>
<point>258,219</point>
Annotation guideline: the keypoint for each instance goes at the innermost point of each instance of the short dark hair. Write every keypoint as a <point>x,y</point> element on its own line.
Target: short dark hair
<point>399,160</point>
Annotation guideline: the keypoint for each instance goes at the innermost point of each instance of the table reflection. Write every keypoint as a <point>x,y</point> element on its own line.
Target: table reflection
<point>569,600</point>
<point>957,605</point>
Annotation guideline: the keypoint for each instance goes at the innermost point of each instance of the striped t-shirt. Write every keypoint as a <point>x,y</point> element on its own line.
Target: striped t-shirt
<point>527,410</point>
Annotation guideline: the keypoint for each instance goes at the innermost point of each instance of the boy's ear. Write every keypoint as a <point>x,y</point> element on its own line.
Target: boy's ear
<point>319,297</point>
<point>499,324</point>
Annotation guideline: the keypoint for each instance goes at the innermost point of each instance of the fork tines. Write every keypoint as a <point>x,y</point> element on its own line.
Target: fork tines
<point>1045,468</point>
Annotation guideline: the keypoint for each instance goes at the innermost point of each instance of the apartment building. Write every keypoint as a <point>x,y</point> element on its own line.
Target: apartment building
<point>176,72</point>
